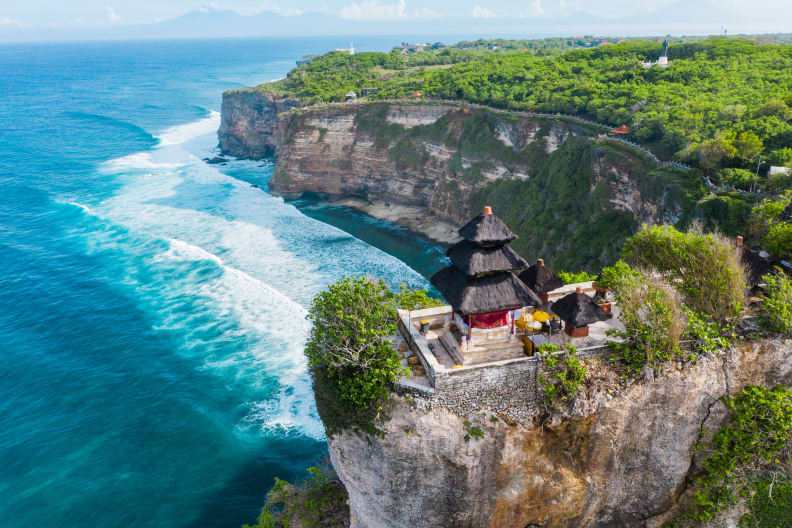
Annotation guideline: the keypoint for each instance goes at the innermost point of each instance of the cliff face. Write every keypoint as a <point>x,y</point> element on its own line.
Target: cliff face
<point>570,197</point>
<point>623,458</point>
<point>249,124</point>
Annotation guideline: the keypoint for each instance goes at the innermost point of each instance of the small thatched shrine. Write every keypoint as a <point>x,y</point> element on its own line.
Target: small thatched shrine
<point>480,284</point>
<point>755,264</point>
<point>541,279</point>
<point>578,310</point>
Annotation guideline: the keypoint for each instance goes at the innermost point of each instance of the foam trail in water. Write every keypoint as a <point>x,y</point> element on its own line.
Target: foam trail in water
<point>179,134</point>
<point>85,208</point>
<point>232,268</point>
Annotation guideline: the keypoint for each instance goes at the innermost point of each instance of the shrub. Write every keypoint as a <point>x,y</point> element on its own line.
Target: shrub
<point>766,214</point>
<point>707,336</point>
<point>572,278</point>
<point>352,363</point>
<point>612,276</point>
<point>779,240</point>
<point>320,502</point>
<point>777,304</point>
<point>472,432</point>
<point>770,503</point>
<point>561,375</point>
<point>653,322</point>
<point>705,267</point>
<point>759,427</point>
<point>738,178</point>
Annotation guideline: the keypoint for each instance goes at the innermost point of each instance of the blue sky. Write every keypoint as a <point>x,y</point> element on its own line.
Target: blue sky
<point>103,13</point>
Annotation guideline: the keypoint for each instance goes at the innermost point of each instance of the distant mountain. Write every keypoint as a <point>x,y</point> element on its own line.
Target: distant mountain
<point>685,16</point>
<point>682,13</point>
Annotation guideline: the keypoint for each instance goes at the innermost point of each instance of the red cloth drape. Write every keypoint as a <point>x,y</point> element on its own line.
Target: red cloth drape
<point>490,320</point>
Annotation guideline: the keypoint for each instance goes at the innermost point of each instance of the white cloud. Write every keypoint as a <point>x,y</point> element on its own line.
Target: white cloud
<point>536,8</point>
<point>112,16</point>
<point>374,10</point>
<point>283,11</point>
<point>482,12</point>
<point>426,13</point>
<point>10,22</point>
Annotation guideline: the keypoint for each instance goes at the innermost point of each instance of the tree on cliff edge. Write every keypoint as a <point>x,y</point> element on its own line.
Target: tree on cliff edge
<point>352,362</point>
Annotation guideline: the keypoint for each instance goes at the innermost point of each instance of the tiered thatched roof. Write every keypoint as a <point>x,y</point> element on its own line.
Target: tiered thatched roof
<point>578,309</point>
<point>486,229</point>
<point>490,293</point>
<point>473,259</point>
<point>481,278</point>
<point>540,278</point>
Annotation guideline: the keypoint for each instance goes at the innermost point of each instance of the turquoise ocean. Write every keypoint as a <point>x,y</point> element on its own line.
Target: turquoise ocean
<point>152,306</point>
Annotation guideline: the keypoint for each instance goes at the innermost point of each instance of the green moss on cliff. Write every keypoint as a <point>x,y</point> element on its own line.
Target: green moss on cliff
<point>556,213</point>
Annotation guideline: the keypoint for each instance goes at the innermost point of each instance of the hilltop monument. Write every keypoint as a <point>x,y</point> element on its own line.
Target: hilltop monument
<point>662,61</point>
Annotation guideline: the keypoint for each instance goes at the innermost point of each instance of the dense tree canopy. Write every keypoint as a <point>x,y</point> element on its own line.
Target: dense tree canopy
<point>721,103</point>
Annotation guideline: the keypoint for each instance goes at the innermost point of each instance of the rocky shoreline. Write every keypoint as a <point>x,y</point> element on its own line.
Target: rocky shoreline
<point>410,217</point>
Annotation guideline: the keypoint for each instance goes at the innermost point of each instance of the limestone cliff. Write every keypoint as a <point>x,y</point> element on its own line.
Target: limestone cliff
<point>570,196</point>
<point>623,456</point>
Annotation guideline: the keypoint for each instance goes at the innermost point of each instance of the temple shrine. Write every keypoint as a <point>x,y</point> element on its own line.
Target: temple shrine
<point>482,287</point>
<point>500,307</point>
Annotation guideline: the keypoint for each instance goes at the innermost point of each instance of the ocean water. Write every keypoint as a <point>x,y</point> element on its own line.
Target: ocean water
<point>152,306</point>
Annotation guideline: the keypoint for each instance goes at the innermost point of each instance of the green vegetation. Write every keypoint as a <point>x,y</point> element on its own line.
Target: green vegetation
<point>770,503</point>
<point>352,363</point>
<point>706,268</point>
<point>572,278</point>
<point>746,455</point>
<point>684,287</point>
<point>472,431</point>
<point>561,376</point>
<point>651,313</point>
<point>769,228</point>
<point>319,502</point>
<point>720,104</point>
<point>777,305</point>
<point>707,336</point>
<point>557,208</point>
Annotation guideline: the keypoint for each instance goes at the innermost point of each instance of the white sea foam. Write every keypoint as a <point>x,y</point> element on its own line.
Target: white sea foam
<point>179,134</point>
<point>138,161</point>
<point>85,208</point>
<point>228,264</point>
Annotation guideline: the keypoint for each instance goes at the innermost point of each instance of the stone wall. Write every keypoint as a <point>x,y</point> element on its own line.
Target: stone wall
<point>507,387</point>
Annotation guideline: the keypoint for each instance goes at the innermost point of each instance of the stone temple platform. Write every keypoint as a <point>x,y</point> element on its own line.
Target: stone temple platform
<point>435,352</point>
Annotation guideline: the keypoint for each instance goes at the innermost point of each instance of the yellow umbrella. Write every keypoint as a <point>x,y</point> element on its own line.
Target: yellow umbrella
<point>524,320</point>
<point>541,316</point>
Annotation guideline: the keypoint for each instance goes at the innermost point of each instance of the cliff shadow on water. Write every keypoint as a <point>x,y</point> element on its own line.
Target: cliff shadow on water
<point>419,252</point>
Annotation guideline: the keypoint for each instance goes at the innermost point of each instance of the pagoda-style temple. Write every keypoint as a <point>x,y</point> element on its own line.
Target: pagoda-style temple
<point>481,285</point>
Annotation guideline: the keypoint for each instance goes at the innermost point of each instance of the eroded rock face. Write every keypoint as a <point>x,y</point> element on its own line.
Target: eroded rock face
<point>447,160</point>
<point>250,126</point>
<point>619,460</point>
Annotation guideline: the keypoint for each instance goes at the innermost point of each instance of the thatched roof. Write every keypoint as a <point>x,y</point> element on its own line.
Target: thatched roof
<point>540,278</point>
<point>756,266</point>
<point>490,293</point>
<point>472,259</point>
<point>578,309</point>
<point>486,229</point>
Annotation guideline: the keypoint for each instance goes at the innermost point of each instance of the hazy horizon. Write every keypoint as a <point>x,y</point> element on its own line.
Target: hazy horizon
<point>46,20</point>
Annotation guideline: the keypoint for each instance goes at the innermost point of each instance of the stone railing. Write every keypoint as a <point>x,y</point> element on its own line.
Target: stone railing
<point>515,113</point>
